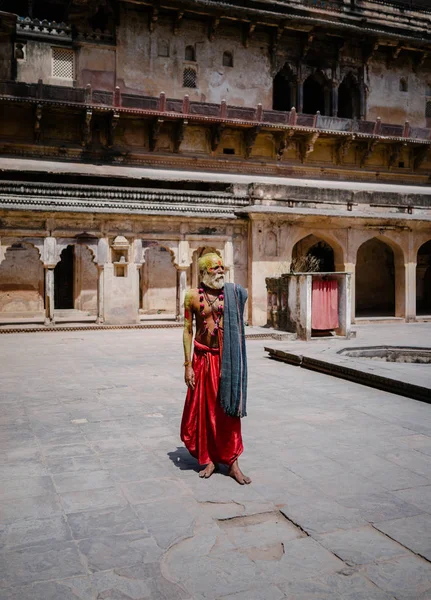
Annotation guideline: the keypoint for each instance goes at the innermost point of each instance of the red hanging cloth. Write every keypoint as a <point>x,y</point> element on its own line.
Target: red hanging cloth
<point>324,304</point>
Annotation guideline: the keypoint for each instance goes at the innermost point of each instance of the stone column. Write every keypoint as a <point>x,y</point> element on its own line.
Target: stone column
<point>49,295</point>
<point>100,294</point>
<point>351,268</point>
<point>335,86</point>
<point>410,292</point>
<point>300,95</point>
<point>181,292</point>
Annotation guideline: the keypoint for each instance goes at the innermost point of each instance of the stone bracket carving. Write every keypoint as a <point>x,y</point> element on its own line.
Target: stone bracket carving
<point>369,51</point>
<point>394,154</point>
<point>306,146</point>
<point>395,54</point>
<point>113,122</point>
<point>216,133</point>
<point>273,50</point>
<point>86,128</point>
<point>212,28</point>
<point>179,134</point>
<point>308,42</point>
<point>177,22</point>
<point>419,156</point>
<point>155,128</point>
<point>284,142</point>
<point>153,16</point>
<point>343,148</point>
<point>38,123</point>
<point>247,32</point>
<point>250,136</point>
<point>367,151</point>
<point>420,60</point>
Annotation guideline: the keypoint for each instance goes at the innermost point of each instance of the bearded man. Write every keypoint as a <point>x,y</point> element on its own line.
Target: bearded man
<point>217,375</point>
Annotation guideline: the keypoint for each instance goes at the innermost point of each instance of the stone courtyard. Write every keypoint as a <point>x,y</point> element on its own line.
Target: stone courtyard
<point>100,501</point>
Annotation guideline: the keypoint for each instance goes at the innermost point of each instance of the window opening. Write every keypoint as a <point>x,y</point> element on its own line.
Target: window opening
<point>190,54</point>
<point>20,51</point>
<point>163,48</point>
<point>228,150</point>
<point>189,78</point>
<point>227,59</point>
<point>403,85</point>
<point>63,63</point>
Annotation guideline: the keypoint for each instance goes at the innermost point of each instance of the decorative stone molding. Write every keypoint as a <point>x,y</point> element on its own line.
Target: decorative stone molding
<point>36,29</point>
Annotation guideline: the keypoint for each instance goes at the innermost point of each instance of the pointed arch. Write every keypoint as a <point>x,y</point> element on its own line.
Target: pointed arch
<point>349,97</point>
<point>284,89</point>
<point>423,279</point>
<point>317,94</point>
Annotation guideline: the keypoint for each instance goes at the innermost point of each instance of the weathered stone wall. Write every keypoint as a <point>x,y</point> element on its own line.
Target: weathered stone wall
<point>85,280</point>
<point>21,281</point>
<point>158,282</point>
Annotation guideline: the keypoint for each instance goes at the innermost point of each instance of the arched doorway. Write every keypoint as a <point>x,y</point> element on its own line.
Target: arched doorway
<point>375,280</point>
<point>313,246</point>
<point>423,280</point>
<point>349,98</point>
<point>64,274</point>
<point>283,90</point>
<point>317,95</point>
<point>158,283</point>
<point>21,281</point>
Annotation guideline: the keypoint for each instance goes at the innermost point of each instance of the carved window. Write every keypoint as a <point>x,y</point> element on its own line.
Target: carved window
<point>227,59</point>
<point>189,78</point>
<point>163,48</point>
<point>20,51</point>
<point>190,54</point>
<point>63,63</point>
<point>404,86</point>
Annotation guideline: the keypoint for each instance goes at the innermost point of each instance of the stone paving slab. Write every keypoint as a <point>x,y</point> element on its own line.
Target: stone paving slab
<point>100,501</point>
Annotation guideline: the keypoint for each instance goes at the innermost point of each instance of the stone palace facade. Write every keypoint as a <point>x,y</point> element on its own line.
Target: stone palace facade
<point>135,134</point>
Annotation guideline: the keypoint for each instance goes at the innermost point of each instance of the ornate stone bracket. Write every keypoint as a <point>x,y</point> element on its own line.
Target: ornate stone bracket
<point>367,151</point>
<point>306,145</point>
<point>38,123</point>
<point>284,142</point>
<point>153,17</point>
<point>86,128</point>
<point>342,148</point>
<point>212,28</point>
<point>419,156</point>
<point>250,136</point>
<point>420,61</point>
<point>247,32</point>
<point>177,22</point>
<point>273,51</point>
<point>369,51</point>
<point>113,122</point>
<point>155,128</point>
<point>308,42</point>
<point>179,134</point>
<point>394,154</point>
<point>216,133</point>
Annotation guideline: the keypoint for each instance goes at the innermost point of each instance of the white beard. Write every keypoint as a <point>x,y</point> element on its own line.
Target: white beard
<point>213,281</point>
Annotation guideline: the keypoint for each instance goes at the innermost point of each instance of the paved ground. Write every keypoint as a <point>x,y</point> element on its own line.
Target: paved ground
<point>100,501</point>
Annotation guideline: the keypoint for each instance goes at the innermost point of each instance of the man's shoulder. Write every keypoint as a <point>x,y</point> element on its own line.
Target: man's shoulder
<point>192,293</point>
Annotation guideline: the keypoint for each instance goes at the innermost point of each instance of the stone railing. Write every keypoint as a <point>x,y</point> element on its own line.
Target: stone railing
<point>182,108</point>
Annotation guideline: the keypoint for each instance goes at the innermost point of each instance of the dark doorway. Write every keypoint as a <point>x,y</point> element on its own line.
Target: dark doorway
<point>325,255</point>
<point>348,98</point>
<point>314,95</point>
<point>63,279</point>
<point>375,280</point>
<point>423,280</point>
<point>282,90</point>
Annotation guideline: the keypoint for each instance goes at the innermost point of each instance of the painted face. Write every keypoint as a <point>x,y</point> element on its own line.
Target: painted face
<point>212,271</point>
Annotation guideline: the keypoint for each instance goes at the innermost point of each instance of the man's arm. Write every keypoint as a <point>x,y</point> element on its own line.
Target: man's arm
<point>189,376</point>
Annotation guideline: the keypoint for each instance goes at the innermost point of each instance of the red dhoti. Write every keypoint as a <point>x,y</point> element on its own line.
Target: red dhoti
<point>208,433</point>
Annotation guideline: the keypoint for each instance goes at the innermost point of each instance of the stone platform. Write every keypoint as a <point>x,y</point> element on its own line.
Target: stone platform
<point>100,501</point>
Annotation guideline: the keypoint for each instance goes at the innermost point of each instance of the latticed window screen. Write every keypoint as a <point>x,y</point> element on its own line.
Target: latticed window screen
<point>189,78</point>
<point>63,63</point>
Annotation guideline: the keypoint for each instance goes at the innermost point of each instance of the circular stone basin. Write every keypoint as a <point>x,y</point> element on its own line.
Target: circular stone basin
<point>398,354</point>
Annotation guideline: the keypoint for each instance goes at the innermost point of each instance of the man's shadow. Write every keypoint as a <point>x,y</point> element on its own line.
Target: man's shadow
<point>183,460</point>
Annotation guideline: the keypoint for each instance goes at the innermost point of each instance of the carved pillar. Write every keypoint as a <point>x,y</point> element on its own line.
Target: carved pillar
<point>49,295</point>
<point>362,100</point>
<point>300,95</point>
<point>181,292</point>
<point>293,94</point>
<point>335,86</point>
<point>100,294</point>
<point>327,97</point>
<point>410,291</point>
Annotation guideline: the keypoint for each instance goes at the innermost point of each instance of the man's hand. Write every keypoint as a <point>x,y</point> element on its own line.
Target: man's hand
<point>189,377</point>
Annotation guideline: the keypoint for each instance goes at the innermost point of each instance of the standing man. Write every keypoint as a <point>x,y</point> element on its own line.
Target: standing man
<point>217,375</point>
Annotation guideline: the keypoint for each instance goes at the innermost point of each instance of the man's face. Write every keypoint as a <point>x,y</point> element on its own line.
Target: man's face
<point>213,275</point>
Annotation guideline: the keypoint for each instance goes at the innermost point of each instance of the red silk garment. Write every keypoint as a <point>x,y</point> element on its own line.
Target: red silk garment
<point>208,433</point>
<point>324,304</point>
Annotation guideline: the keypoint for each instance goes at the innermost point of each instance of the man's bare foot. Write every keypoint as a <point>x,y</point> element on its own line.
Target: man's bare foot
<point>208,471</point>
<point>236,473</point>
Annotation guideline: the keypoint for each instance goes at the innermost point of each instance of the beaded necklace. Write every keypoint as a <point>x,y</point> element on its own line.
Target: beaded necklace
<point>217,315</point>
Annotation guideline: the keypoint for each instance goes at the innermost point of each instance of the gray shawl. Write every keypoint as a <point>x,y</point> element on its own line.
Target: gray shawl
<point>233,378</point>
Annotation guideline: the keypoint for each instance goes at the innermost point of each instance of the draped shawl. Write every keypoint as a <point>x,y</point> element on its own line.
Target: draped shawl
<point>233,379</point>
